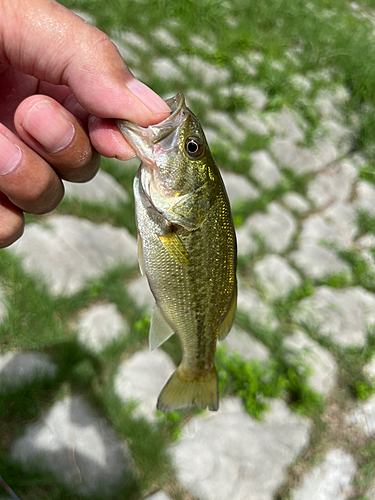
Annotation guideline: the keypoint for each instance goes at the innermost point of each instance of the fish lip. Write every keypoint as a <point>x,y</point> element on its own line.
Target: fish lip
<point>156,133</point>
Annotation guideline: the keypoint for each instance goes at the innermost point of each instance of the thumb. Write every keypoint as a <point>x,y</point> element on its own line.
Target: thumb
<point>44,39</point>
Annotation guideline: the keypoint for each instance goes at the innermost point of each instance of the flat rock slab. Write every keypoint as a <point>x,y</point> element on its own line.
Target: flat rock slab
<point>276,226</point>
<point>141,378</point>
<point>333,185</point>
<point>68,250</point>
<point>363,416</point>
<point>257,311</point>
<point>320,361</point>
<point>19,369</point>
<point>365,197</point>
<point>287,124</point>
<point>79,447</point>
<point>296,203</point>
<point>264,170</point>
<point>317,262</point>
<point>275,276</point>
<point>103,188</point>
<point>100,325</point>
<point>344,315</point>
<point>244,344</point>
<point>228,454</point>
<point>238,187</point>
<point>330,480</point>
<point>140,292</point>
<point>159,495</point>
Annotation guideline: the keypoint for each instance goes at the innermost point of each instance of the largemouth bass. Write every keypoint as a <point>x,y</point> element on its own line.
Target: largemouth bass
<point>187,249</point>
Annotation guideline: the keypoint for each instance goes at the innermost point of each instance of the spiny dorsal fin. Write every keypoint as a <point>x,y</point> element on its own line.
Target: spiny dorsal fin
<point>226,325</point>
<point>172,243</point>
<point>160,331</point>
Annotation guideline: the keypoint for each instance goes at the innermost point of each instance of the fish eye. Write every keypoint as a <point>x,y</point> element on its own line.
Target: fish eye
<point>193,147</point>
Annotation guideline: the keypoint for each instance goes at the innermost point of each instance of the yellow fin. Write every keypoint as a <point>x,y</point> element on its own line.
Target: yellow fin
<point>160,331</point>
<point>185,389</point>
<point>226,325</point>
<point>175,247</point>
<point>140,256</point>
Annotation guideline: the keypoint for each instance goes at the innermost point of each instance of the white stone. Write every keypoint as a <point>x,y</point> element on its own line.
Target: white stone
<point>246,245</point>
<point>277,227</point>
<point>101,189</point>
<point>159,495</point>
<point>3,306</point>
<point>365,198</point>
<point>165,69</point>
<point>343,315</point>
<point>325,105</point>
<point>202,44</point>
<point>257,311</point>
<point>78,446</point>
<point>135,40</point>
<point>302,160</point>
<point>254,96</point>
<point>245,65</point>
<point>239,341</point>
<point>208,73</point>
<point>238,187</point>
<point>329,480</point>
<point>71,250</point>
<point>370,494</point>
<point>255,57</point>
<point>332,185</point>
<point>301,83</point>
<point>164,37</point>
<point>197,95</point>
<point>289,155</point>
<point>363,416</point>
<point>296,203</point>
<point>321,363</point>
<point>286,124</point>
<point>100,325</point>
<point>227,454</point>
<point>18,369</point>
<point>369,370</point>
<point>275,276</point>
<point>341,218</point>
<point>264,169</point>
<point>141,379</point>
<point>338,134</point>
<point>140,292</point>
<point>84,15</point>
<point>317,262</point>
<point>252,123</point>
<point>211,134</point>
<point>226,124</point>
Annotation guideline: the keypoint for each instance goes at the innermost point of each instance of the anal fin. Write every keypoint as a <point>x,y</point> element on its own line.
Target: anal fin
<point>226,325</point>
<point>173,244</point>
<point>160,331</point>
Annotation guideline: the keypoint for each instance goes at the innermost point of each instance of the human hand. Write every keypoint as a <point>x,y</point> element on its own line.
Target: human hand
<point>61,80</point>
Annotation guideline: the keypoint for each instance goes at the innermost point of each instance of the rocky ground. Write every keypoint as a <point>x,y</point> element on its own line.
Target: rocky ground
<point>306,242</point>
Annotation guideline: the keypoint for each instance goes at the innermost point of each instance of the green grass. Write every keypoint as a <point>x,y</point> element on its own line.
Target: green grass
<point>305,42</point>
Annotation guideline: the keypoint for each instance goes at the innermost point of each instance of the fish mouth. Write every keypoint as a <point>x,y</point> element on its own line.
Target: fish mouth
<point>165,133</point>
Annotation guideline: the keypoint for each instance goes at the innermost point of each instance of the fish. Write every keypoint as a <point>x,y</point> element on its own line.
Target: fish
<point>186,248</point>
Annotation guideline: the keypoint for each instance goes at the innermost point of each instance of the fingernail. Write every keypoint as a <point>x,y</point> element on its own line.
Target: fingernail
<point>148,97</point>
<point>49,127</point>
<point>10,155</point>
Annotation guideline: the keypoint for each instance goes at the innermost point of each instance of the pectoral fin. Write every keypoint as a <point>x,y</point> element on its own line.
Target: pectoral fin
<point>172,243</point>
<point>226,325</point>
<point>160,331</point>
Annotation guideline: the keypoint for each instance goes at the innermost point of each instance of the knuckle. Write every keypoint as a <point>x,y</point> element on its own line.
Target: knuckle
<point>11,230</point>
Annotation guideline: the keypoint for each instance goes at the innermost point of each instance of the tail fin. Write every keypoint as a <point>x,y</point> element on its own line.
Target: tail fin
<point>185,389</point>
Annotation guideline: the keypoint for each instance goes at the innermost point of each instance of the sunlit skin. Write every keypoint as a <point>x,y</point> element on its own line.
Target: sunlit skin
<point>62,81</point>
